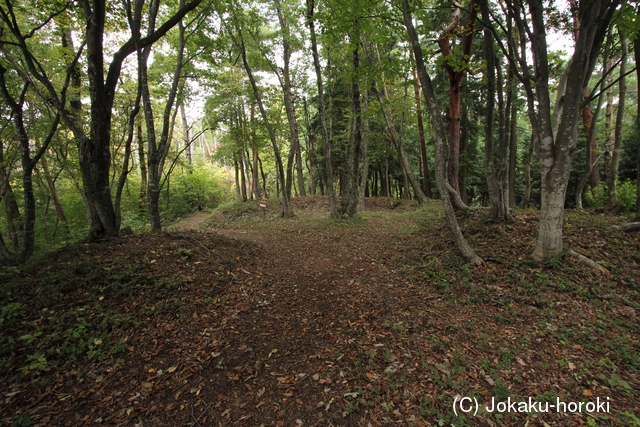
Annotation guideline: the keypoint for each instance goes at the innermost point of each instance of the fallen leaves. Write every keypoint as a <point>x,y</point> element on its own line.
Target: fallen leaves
<point>371,326</point>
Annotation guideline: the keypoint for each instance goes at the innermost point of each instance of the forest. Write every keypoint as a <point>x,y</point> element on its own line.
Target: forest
<point>126,116</point>
<point>450,204</point>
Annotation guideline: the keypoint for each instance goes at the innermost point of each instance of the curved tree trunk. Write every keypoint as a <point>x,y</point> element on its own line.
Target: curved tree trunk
<point>439,137</point>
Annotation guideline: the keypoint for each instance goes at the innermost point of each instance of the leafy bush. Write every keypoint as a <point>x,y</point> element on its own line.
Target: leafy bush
<point>196,191</point>
<point>599,196</point>
<point>627,195</point>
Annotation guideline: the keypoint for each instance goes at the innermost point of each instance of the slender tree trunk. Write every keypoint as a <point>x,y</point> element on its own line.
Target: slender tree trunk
<point>13,215</point>
<point>288,99</point>
<point>402,157</point>
<point>592,162</point>
<point>243,178</point>
<point>28,162</point>
<point>159,147</point>
<point>456,73</point>
<point>498,194</point>
<point>326,140</point>
<point>513,145</point>
<point>51,184</point>
<point>408,174</point>
<point>236,169</point>
<point>364,173</point>
<point>264,180</point>
<point>526,198</point>
<point>142,162</point>
<point>311,138</point>
<point>287,210</point>
<point>609,127</point>
<point>349,203</point>
<point>636,50</point>
<point>186,137</point>
<point>439,138</point>
<point>424,164</point>
<point>612,182</point>
<point>255,177</point>
<point>124,173</point>
<point>589,121</point>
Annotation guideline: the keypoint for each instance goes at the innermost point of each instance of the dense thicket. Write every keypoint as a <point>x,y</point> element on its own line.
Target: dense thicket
<point>129,114</point>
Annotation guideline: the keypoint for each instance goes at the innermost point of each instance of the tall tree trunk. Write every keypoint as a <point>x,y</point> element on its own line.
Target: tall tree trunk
<point>287,210</point>
<point>142,162</point>
<point>526,198</point>
<point>397,142</point>
<point>51,184</point>
<point>13,215</point>
<point>186,137</point>
<point>288,99</point>
<point>636,50</point>
<point>158,146</point>
<point>326,140</point>
<point>609,126</point>
<point>243,178</point>
<point>440,139</point>
<point>424,164</point>
<point>513,145</point>
<point>349,202</point>
<point>383,99</point>
<point>236,168</point>
<point>456,70</point>
<point>364,173</point>
<point>612,182</point>
<point>311,139</point>
<point>28,163</point>
<point>496,179</point>
<point>592,159</point>
<point>124,173</point>
<point>556,148</point>
<point>589,121</point>
<point>255,177</point>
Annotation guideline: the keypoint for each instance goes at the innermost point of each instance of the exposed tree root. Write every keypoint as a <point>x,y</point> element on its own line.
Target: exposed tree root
<point>589,262</point>
<point>632,226</point>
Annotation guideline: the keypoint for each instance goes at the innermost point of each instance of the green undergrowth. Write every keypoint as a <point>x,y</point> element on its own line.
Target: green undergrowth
<point>86,301</point>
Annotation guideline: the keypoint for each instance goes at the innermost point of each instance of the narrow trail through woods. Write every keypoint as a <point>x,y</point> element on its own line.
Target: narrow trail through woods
<point>314,282</point>
<point>235,319</point>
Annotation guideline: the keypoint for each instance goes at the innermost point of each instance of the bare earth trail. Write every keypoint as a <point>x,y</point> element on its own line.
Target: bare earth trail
<point>300,304</point>
<point>229,319</point>
<point>376,322</point>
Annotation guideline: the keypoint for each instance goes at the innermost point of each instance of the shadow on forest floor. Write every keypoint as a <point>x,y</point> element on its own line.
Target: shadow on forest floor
<point>312,321</point>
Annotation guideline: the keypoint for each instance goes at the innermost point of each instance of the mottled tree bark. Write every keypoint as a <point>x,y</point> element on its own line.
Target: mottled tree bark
<point>440,138</point>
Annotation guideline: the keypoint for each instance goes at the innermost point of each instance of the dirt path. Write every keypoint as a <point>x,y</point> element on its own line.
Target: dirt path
<point>367,322</point>
<point>192,222</point>
<point>304,298</point>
